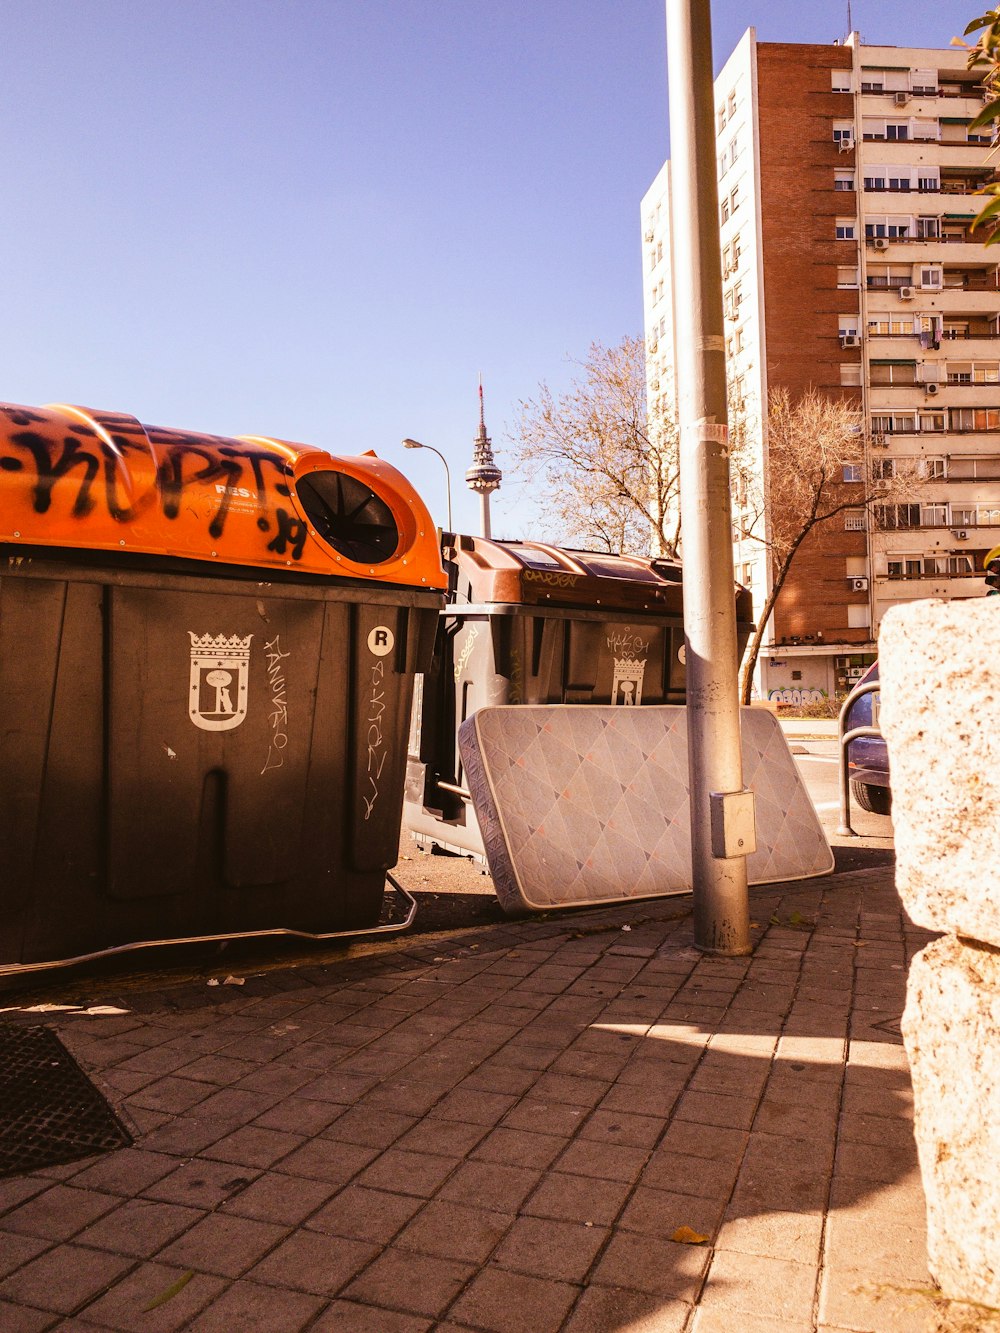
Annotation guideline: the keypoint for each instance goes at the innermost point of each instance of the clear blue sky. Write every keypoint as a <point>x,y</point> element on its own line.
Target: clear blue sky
<point>320,219</point>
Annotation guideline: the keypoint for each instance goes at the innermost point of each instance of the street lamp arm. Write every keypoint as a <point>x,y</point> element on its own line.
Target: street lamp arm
<point>416,444</point>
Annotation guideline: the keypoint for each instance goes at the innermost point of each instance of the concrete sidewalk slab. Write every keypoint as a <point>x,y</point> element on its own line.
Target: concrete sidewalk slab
<point>501,1130</point>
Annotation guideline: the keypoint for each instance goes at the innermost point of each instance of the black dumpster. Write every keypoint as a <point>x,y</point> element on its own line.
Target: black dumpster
<point>531,623</point>
<point>207,650</point>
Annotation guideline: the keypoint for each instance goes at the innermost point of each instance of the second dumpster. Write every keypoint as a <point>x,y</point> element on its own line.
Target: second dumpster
<point>532,623</point>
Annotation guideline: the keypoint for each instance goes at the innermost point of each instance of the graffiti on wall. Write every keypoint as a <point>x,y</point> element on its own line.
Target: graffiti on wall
<point>807,695</point>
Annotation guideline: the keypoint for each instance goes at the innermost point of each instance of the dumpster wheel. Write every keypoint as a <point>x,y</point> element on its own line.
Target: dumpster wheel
<point>390,928</point>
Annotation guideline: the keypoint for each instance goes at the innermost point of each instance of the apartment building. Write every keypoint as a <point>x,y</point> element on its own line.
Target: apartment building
<point>847,177</point>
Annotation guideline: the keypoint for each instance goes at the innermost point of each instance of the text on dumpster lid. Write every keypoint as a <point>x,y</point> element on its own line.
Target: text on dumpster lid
<point>192,476</point>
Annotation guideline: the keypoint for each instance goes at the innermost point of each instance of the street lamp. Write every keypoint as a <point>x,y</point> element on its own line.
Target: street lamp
<point>415,444</point>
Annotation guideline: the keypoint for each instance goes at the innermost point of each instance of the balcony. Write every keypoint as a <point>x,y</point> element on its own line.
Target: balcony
<point>965,249</point>
<point>924,575</point>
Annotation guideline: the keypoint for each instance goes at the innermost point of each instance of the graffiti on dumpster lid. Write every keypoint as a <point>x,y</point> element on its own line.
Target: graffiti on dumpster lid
<point>278,704</point>
<point>220,674</point>
<point>84,473</point>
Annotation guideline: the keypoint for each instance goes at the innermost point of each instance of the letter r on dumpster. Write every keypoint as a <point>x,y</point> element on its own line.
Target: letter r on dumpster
<point>381,640</point>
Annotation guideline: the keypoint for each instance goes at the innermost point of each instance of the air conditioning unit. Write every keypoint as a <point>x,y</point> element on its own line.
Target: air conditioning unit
<point>932,389</point>
<point>858,585</point>
<point>905,293</point>
<point>879,441</point>
<point>648,235</point>
<point>901,99</point>
<point>850,340</point>
<point>845,145</point>
<point>960,534</point>
<point>880,243</point>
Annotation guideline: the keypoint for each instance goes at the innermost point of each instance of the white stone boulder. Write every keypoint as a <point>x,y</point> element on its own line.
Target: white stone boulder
<point>951,1028</point>
<point>940,714</point>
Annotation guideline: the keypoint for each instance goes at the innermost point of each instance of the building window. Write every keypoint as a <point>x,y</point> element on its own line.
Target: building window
<point>891,227</point>
<point>731,103</point>
<point>854,520</point>
<point>930,277</point>
<point>844,229</point>
<point>852,471</point>
<point>905,567</point>
<point>843,132</point>
<point>850,374</point>
<point>974,418</point>
<point>847,277</point>
<point>843,180</point>
<point>840,80</point>
<point>883,469</point>
<point>884,327</point>
<point>934,516</point>
<point>935,469</point>
<point>893,372</point>
<point>890,518</point>
<point>858,617</point>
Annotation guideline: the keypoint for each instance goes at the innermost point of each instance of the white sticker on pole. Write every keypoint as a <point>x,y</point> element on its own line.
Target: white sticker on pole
<point>708,431</point>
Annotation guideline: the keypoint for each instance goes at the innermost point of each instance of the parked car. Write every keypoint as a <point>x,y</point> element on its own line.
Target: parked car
<point>868,757</point>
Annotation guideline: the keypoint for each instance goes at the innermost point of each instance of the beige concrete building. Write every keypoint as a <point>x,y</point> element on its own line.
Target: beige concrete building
<point>847,179</point>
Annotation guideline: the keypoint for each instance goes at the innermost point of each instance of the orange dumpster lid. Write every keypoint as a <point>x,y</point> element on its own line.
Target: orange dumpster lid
<point>93,480</point>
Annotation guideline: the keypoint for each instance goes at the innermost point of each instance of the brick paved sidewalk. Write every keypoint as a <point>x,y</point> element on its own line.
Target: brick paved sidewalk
<point>501,1131</point>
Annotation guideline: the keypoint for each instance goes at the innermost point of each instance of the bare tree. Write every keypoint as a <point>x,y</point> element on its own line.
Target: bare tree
<point>810,441</point>
<point>611,470</point>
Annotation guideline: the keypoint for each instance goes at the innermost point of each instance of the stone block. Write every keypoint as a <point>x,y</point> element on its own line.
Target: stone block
<point>940,714</point>
<point>951,1027</point>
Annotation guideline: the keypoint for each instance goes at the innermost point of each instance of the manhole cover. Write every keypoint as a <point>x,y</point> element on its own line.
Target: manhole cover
<point>50,1112</point>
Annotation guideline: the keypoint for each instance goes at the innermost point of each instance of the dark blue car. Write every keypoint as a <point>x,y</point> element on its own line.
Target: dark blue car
<point>867,757</point>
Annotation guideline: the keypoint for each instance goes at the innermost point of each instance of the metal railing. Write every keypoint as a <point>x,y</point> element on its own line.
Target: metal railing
<point>844,739</point>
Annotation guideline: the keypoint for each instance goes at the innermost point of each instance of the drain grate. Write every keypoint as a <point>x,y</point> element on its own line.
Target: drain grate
<point>50,1112</point>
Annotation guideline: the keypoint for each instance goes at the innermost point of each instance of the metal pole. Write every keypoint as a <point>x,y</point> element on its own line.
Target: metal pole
<point>484,514</point>
<point>720,826</point>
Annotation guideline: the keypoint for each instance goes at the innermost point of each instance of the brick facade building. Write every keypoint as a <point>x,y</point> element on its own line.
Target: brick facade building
<point>846,180</point>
